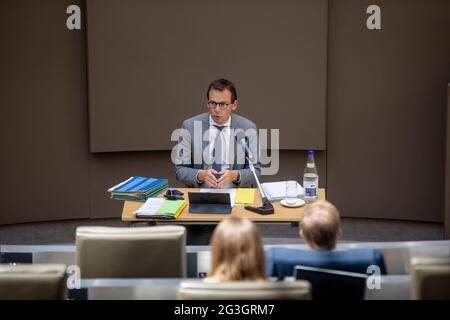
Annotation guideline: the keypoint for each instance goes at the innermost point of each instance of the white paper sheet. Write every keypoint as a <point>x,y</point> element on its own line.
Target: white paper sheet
<point>277,190</point>
<point>150,206</point>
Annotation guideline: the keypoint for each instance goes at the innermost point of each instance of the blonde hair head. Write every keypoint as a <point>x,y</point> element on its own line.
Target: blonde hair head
<point>237,251</point>
<point>321,225</point>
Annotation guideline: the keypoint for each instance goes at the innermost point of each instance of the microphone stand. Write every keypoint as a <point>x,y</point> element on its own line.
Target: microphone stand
<point>267,207</point>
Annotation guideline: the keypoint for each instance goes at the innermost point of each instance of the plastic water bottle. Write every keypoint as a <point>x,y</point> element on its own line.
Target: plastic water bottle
<point>310,179</point>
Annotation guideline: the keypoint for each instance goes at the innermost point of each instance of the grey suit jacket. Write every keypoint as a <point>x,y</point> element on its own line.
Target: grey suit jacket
<point>189,154</point>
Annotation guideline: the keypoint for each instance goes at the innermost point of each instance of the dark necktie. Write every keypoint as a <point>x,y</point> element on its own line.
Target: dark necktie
<point>217,152</point>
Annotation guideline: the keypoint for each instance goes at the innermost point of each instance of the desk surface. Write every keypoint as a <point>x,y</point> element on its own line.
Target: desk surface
<point>282,214</point>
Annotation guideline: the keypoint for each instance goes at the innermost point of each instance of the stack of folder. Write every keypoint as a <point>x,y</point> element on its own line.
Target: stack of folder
<point>138,188</point>
<point>160,208</point>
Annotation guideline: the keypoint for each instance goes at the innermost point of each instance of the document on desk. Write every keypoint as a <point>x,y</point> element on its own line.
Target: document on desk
<point>160,208</point>
<point>245,195</point>
<point>150,207</point>
<point>232,193</point>
<point>277,190</point>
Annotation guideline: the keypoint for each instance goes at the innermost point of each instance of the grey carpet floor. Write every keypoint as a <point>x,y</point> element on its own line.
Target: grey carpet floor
<point>353,230</point>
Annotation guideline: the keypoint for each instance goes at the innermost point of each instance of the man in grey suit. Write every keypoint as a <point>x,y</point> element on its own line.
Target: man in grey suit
<point>210,152</point>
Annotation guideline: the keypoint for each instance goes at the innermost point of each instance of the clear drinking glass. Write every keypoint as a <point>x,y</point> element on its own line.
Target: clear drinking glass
<point>291,192</point>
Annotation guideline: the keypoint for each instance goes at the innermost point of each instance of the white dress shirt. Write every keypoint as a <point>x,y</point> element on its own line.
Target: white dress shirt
<point>226,156</point>
<point>225,137</point>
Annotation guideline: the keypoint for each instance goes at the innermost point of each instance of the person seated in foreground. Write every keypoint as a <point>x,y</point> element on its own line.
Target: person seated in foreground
<point>237,252</point>
<point>321,228</point>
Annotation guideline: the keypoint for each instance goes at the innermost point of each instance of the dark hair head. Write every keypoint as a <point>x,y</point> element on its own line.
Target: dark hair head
<point>221,85</point>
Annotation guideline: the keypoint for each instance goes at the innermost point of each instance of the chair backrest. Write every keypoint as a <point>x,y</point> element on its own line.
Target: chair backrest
<point>33,281</point>
<point>398,259</point>
<point>329,284</point>
<point>244,290</point>
<point>131,289</point>
<point>144,252</point>
<point>391,287</point>
<point>280,262</point>
<point>430,278</point>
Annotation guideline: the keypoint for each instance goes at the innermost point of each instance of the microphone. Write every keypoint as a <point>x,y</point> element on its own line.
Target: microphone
<point>244,144</point>
<point>267,207</point>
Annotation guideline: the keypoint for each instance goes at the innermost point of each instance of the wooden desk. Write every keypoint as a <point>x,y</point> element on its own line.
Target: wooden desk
<point>282,214</point>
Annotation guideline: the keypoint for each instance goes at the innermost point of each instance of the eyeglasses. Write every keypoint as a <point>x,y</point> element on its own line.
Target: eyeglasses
<point>222,105</point>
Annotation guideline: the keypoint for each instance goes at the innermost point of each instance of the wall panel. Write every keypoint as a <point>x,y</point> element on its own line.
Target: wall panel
<point>43,125</point>
<point>386,109</point>
<point>150,63</point>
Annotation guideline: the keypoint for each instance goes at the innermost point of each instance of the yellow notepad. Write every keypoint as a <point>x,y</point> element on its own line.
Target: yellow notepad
<point>245,195</point>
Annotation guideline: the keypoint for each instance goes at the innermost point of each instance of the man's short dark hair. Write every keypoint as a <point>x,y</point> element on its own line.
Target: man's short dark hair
<point>221,85</point>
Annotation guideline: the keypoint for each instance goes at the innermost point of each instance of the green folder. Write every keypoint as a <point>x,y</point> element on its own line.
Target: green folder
<point>171,207</point>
